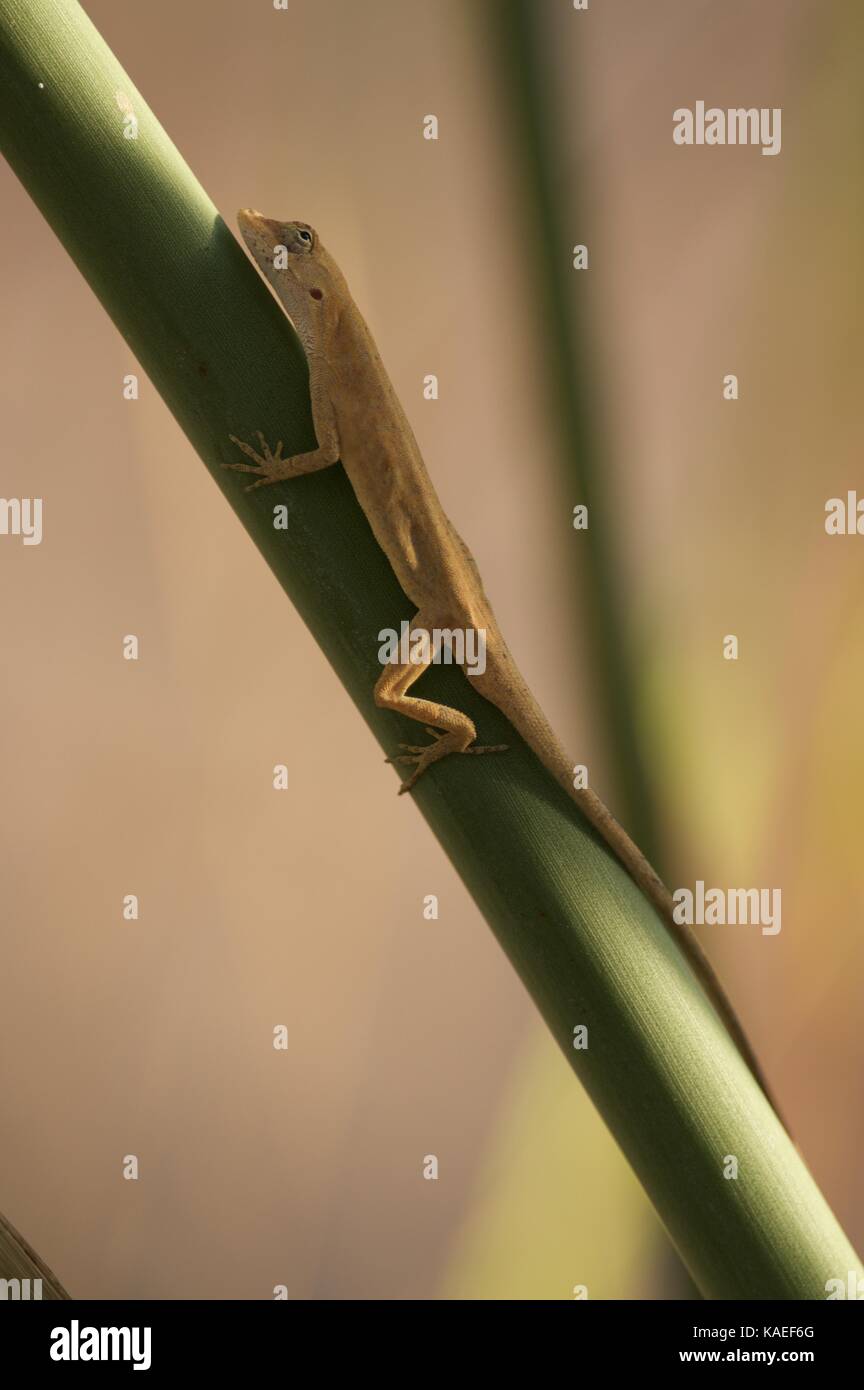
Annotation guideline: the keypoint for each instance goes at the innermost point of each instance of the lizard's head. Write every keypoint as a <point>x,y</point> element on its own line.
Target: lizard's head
<point>291,249</point>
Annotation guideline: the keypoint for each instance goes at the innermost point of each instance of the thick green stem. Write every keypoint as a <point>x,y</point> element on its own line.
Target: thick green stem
<point>588,946</point>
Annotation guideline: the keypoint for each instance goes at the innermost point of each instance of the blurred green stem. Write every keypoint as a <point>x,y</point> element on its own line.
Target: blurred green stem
<point>527,95</point>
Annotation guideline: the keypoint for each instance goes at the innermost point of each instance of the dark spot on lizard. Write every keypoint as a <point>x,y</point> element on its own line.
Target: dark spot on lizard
<point>317,294</point>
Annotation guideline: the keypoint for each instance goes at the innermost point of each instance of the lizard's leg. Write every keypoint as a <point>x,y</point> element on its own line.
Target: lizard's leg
<point>270,467</point>
<point>459,733</point>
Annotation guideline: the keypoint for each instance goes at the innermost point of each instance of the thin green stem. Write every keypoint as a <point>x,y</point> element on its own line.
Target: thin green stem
<point>573,395</point>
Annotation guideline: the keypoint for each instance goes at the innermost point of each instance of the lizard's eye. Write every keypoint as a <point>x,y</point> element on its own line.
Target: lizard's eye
<point>305,237</point>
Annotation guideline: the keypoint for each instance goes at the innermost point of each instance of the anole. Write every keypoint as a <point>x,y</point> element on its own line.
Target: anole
<point>358,419</point>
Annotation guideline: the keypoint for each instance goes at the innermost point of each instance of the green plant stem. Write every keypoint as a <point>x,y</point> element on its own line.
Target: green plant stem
<point>535,124</point>
<point>588,946</point>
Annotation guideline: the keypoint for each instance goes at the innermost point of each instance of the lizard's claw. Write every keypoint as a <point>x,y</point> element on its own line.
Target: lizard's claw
<point>421,757</point>
<point>265,466</point>
<point>409,749</point>
<point>271,458</point>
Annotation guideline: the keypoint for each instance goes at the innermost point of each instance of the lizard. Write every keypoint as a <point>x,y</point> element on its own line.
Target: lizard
<point>360,421</point>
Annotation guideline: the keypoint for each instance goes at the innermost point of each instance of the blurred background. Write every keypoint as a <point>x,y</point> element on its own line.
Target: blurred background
<point>409,1037</point>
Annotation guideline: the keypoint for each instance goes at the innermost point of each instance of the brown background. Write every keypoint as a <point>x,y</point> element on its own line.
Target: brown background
<point>304,908</point>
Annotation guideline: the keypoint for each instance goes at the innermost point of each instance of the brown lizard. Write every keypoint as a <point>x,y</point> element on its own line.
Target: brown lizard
<point>359,420</point>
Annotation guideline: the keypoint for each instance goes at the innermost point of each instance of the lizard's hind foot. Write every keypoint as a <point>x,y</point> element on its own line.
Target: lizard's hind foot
<point>421,756</point>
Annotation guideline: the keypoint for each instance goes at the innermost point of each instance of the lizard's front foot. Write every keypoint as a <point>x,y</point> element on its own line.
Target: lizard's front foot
<point>269,467</point>
<point>421,756</point>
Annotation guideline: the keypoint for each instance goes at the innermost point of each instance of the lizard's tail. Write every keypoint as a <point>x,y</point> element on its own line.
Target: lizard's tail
<point>502,683</point>
<point>658,894</point>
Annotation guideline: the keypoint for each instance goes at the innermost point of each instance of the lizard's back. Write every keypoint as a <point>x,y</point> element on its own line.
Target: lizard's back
<point>436,570</point>
<point>382,459</point>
